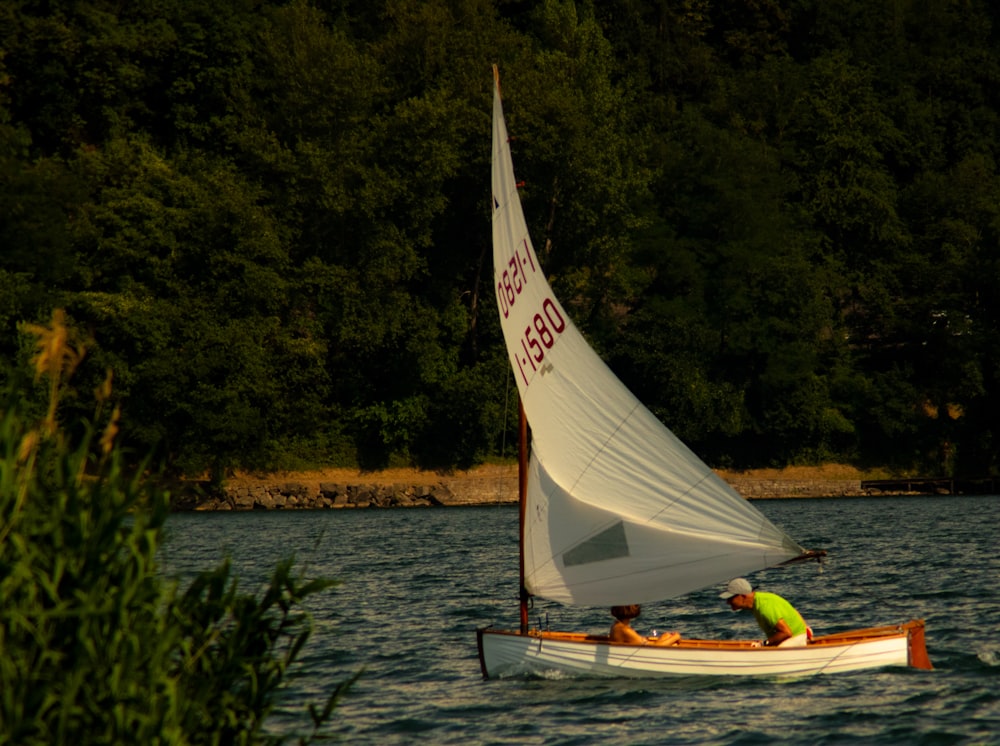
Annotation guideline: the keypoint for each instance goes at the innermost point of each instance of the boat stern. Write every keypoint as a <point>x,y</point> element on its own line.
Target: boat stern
<point>916,647</point>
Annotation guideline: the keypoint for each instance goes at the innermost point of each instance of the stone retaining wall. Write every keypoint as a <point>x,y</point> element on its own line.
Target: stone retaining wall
<point>454,492</point>
<point>294,495</point>
<point>761,489</point>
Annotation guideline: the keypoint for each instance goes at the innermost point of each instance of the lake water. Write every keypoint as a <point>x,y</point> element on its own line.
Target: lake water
<point>416,583</point>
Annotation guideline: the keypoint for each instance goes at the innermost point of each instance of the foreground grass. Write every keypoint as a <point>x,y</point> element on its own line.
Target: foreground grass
<point>97,646</point>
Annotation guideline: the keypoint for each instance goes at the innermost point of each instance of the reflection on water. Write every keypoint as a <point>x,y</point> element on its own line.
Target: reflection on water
<point>416,583</point>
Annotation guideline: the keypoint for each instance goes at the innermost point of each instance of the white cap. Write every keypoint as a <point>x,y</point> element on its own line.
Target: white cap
<point>737,587</point>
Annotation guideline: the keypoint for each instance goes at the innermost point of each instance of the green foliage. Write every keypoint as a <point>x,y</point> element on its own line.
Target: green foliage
<point>236,650</point>
<point>98,646</point>
<point>776,218</point>
<point>461,422</point>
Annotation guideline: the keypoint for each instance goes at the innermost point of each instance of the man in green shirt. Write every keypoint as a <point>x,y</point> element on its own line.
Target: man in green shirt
<point>781,623</point>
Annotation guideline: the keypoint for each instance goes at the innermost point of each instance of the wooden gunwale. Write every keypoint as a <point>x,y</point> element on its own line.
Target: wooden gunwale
<point>837,639</point>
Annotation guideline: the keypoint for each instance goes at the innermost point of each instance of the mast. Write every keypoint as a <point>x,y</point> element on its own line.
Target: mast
<point>522,504</point>
<point>522,477</point>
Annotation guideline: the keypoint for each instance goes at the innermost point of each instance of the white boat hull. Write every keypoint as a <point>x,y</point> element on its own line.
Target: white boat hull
<point>504,653</point>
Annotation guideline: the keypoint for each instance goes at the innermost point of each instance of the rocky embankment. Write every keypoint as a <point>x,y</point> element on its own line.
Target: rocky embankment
<point>756,488</point>
<point>299,495</point>
<point>488,485</point>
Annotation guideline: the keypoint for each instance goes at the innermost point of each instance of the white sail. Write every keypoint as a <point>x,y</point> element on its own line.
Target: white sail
<point>619,510</point>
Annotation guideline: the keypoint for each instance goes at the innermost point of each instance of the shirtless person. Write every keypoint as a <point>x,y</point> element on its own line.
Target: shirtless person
<point>621,630</point>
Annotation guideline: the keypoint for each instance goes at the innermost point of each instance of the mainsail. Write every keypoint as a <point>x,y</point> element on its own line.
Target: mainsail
<point>619,509</point>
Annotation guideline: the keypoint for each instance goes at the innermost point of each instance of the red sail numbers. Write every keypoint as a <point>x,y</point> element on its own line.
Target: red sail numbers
<point>546,324</point>
<point>514,278</point>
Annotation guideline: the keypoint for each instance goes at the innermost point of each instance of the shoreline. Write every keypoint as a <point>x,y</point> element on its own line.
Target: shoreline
<point>481,486</point>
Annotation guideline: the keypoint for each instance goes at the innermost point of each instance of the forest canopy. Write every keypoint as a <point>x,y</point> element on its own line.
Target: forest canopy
<point>777,220</point>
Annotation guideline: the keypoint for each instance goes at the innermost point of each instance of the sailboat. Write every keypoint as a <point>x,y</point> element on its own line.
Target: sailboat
<point>615,509</point>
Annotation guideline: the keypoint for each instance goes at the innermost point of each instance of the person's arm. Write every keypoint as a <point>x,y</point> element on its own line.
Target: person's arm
<point>667,638</point>
<point>624,633</point>
<point>630,635</point>
<point>780,634</point>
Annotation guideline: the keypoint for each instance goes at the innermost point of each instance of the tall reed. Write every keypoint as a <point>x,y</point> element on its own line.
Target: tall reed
<point>95,645</point>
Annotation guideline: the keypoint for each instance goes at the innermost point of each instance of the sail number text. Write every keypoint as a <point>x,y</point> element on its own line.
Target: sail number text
<point>539,336</point>
<point>546,325</point>
<point>514,279</point>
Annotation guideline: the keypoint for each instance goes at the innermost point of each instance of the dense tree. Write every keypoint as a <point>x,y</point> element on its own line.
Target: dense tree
<point>775,218</point>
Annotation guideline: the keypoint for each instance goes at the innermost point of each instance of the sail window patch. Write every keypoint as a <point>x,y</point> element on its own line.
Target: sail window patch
<point>609,544</point>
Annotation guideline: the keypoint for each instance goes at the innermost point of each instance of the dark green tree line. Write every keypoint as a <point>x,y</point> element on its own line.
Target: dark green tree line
<point>777,219</point>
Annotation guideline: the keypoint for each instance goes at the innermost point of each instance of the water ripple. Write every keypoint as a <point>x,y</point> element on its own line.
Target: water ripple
<point>417,583</point>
